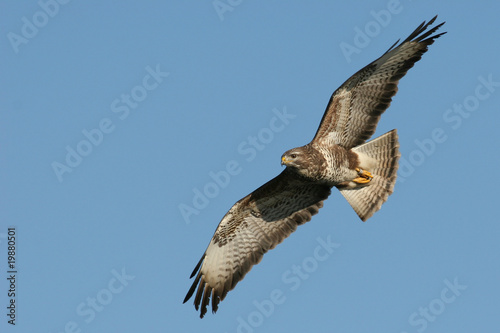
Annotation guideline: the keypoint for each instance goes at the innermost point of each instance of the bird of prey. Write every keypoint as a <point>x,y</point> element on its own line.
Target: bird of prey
<point>338,156</point>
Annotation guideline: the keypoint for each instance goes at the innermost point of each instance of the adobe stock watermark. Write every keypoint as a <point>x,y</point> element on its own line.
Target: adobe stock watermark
<point>292,279</point>
<point>121,106</point>
<point>31,26</point>
<point>364,36</point>
<point>248,149</point>
<point>223,6</point>
<point>93,305</point>
<point>421,318</point>
<point>453,117</point>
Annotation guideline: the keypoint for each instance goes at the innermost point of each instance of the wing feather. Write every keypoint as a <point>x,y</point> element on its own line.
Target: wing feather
<point>354,109</point>
<point>254,225</point>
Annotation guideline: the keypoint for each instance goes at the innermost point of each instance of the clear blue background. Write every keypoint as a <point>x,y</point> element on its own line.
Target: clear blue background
<point>118,211</point>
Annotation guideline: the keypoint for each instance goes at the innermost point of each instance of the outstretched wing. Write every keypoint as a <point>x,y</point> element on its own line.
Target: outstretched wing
<point>354,109</point>
<point>254,225</point>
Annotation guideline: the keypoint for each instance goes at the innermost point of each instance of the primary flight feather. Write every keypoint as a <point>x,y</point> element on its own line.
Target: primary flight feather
<point>338,156</point>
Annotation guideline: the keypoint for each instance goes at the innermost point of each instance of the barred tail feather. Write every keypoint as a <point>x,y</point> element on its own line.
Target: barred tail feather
<point>380,157</point>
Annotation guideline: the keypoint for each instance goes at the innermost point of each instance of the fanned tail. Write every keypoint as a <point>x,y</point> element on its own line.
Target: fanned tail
<point>380,157</point>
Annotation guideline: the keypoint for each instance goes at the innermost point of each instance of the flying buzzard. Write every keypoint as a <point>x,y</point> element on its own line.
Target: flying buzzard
<point>338,156</point>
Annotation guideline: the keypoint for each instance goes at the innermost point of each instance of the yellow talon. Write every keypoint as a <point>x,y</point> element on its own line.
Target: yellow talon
<point>364,176</point>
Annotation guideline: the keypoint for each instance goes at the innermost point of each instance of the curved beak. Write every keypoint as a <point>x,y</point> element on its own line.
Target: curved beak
<point>284,161</point>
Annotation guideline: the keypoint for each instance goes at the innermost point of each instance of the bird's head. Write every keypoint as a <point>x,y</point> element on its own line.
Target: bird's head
<point>305,160</point>
<point>294,158</point>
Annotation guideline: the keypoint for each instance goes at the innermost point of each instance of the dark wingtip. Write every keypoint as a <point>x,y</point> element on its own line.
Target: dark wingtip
<point>192,289</point>
<point>196,281</point>
<point>418,34</point>
<point>195,270</point>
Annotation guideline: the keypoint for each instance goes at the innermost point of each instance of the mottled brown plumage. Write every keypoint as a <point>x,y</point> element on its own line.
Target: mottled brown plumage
<point>338,156</point>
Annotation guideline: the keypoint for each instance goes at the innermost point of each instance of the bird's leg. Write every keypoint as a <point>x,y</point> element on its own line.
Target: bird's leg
<point>364,176</point>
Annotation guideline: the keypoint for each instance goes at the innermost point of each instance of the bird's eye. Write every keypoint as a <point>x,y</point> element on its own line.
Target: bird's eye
<point>293,155</point>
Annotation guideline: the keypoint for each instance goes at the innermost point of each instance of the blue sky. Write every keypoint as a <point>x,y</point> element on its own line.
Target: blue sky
<point>115,117</point>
